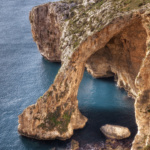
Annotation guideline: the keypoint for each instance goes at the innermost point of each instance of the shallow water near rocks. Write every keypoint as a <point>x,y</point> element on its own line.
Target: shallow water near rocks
<point>25,76</point>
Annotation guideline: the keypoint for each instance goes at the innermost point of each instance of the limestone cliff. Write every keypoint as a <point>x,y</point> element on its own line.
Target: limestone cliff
<point>110,38</point>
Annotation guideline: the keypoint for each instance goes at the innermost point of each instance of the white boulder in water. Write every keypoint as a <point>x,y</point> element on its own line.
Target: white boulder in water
<point>115,131</point>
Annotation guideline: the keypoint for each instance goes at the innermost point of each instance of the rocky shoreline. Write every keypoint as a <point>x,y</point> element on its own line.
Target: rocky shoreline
<point>109,144</point>
<point>110,38</point>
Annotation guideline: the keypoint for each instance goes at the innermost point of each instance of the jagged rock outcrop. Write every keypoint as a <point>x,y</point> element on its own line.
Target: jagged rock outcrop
<point>109,37</point>
<point>115,131</point>
<point>74,145</point>
<point>122,56</point>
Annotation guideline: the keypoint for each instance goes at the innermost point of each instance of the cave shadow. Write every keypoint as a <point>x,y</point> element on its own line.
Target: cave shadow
<point>108,79</point>
<point>111,80</point>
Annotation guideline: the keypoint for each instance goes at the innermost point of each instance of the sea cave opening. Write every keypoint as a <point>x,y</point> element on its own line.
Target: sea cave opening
<point>103,102</point>
<point>120,60</point>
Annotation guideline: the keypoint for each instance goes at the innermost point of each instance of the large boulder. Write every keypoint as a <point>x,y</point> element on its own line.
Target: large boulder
<point>115,131</point>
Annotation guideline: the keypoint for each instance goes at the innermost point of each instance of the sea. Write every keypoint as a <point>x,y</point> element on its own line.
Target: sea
<point>25,75</point>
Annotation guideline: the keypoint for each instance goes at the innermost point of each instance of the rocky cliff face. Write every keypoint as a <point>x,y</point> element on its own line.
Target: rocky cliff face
<point>109,38</point>
<point>46,23</point>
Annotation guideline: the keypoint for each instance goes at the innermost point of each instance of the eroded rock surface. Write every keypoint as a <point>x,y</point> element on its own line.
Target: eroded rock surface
<point>109,37</point>
<point>46,21</point>
<point>122,56</point>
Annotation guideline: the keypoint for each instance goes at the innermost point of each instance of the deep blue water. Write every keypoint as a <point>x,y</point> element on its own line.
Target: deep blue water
<point>25,76</point>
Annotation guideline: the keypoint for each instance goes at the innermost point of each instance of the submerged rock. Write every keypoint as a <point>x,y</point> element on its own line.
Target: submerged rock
<point>111,144</point>
<point>115,131</point>
<point>74,145</point>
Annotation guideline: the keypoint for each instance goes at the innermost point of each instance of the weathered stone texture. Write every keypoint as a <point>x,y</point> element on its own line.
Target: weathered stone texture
<point>115,131</point>
<point>109,38</point>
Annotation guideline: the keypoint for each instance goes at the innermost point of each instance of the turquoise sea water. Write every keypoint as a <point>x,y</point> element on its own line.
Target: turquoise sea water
<point>25,76</point>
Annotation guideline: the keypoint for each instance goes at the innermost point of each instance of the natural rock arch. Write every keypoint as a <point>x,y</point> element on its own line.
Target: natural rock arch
<point>56,114</point>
